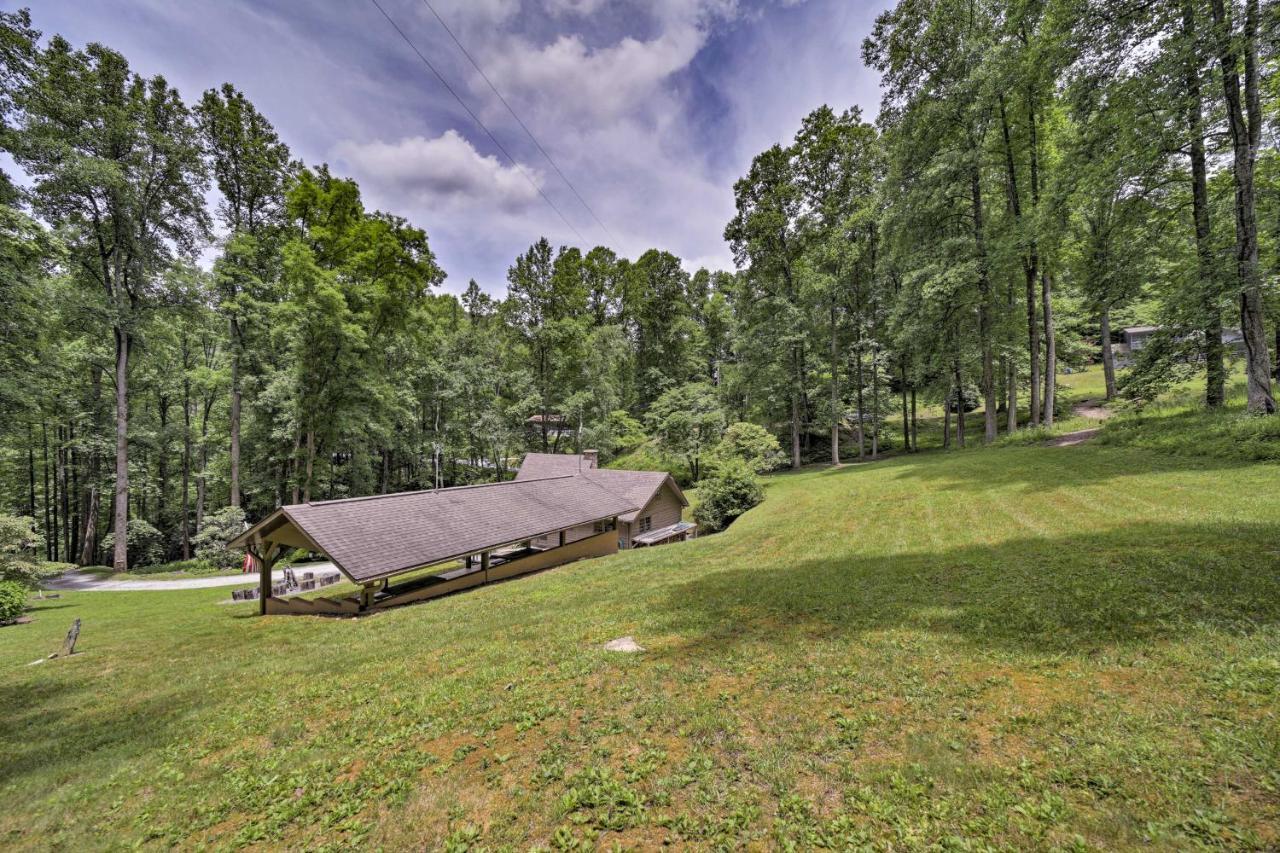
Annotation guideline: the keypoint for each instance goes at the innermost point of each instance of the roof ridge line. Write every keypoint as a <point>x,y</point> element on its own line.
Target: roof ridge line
<point>433,491</point>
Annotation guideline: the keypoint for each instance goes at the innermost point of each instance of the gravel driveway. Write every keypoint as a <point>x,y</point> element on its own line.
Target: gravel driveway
<point>85,581</point>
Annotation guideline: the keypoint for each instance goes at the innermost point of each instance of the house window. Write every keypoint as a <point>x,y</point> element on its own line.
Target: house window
<point>646,524</point>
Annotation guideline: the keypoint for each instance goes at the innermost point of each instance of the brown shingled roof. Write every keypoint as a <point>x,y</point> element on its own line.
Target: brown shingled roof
<point>375,537</point>
<point>637,486</point>
<point>537,466</point>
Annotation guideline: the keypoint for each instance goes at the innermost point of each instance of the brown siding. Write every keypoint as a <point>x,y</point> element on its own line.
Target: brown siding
<point>664,509</point>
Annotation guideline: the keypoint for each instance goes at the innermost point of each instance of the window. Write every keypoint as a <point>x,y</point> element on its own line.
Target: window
<point>646,524</point>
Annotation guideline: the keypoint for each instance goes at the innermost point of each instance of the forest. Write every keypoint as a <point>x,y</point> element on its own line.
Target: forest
<point>1041,173</point>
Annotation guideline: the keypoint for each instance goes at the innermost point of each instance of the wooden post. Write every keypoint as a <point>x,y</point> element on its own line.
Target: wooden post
<point>484,564</point>
<point>266,559</point>
<point>561,538</point>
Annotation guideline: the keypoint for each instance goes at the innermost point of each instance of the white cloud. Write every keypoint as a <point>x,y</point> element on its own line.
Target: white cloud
<point>446,170</point>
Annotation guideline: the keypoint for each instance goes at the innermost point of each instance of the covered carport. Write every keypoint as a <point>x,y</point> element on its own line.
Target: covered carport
<point>489,528</point>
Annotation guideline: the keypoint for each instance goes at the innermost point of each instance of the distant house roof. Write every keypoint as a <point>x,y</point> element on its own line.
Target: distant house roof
<point>376,537</point>
<point>637,486</point>
<point>1140,330</point>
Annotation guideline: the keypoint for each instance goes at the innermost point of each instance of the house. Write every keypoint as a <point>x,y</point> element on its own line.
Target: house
<point>473,534</point>
<point>415,546</point>
<point>1135,339</point>
<point>660,502</point>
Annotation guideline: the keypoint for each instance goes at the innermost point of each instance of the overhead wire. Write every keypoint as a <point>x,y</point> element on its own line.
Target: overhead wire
<point>519,121</point>
<point>477,120</point>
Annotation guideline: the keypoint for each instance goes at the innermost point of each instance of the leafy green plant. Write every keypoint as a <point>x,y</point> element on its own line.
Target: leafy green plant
<point>19,545</point>
<point>752,445</point>
<point>728,493</point>
<point>144,542</point>
<point>13,600</point>
<point>220,528</point>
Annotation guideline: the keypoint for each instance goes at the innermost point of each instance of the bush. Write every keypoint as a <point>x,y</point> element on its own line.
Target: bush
<point>191,567</point>
<point>13,600</point>
<point>211,541</point>
<point>752,445</point>
<point>19,546</point>
<point>143,543</point>
<point>728,493</point>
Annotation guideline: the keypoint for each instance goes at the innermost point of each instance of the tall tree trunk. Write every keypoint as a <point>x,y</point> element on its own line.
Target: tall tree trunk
<point>186,452</point>
<point>120,559</point>
<point>946,419</point>
<point>236,345</point>
<point>915,437</point>
<point>1108,360</point>
<point>92,497</point>
<point>202,479</point>
<point>795,408</point>
<point>1210,289</point>
<point>64,499</point>
<point>1015,207</point>
<point>310,469</point>
<point>906,425</point>
<point>1031,270</point>
<point>1011,396</point>
<point>835,389</point>
<point>875,404</point>
<point>1245,122</point>
<point>984,310</point>
<point>31,473</point>
<point>162,503</point>
<point>1050,354</point>
<point>44,495</point>
<point>862,412</point>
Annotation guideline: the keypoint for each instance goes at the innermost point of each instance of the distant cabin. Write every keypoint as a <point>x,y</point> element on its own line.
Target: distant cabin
<point>661,502</point>
<point>1134,339</point>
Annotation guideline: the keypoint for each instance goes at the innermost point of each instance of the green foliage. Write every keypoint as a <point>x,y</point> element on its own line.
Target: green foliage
<point>726,494</point>
<point>220,528</point>
<point>687,421</point>
<point>751,445</point>
<point>20,544</point>
<point>179,567</point>
<point>13,600</point>
<point>145,544</point>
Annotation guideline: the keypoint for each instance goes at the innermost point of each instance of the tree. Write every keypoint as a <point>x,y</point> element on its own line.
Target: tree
<point>1244,119</point>
<point>766,244</point>
<point>116,160</point>
<point>687,421</point>
<point>250,167</point>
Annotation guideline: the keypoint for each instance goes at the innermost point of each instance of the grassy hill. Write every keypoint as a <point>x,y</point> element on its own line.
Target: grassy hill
<point>1024,647</point>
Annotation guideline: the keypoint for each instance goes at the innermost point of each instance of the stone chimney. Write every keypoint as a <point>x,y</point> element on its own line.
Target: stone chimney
<point>591,458</point>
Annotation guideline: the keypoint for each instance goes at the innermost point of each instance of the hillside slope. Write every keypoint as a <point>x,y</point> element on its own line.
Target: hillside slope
<point>1029,646</point>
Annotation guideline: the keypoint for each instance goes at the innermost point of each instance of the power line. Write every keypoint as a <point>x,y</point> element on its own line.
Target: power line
<point>477,120</point>
<point>519,121</point>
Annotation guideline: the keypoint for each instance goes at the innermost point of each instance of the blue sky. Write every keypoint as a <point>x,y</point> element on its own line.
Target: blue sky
<point>651,107</point>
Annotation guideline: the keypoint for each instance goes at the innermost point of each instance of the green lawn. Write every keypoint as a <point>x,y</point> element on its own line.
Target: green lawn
<point>1026,647</point>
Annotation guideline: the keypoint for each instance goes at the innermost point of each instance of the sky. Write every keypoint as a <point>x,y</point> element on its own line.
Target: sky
<point>651,108</point>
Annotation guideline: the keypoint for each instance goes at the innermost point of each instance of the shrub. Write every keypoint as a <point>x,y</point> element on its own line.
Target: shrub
<point>13,600</point>
<point>143,543</point>
<point>728,493</point>
<point>211,541</point>
<point>752,445</point>
<point>191,567</point>
<point>19,545</point>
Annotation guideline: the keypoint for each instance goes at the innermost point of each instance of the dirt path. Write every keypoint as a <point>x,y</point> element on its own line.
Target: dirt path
<point>1092,410</point>
<point>87,582</point>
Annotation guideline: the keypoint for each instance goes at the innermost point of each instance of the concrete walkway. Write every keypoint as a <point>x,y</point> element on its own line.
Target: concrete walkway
<point>87,582</point>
